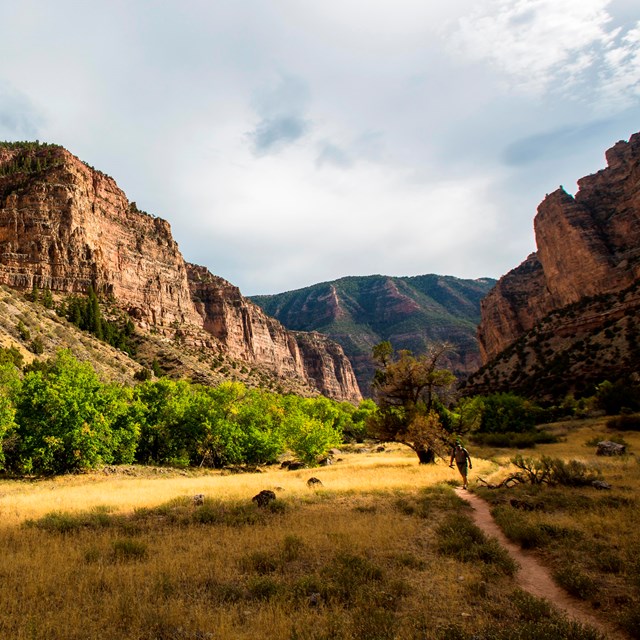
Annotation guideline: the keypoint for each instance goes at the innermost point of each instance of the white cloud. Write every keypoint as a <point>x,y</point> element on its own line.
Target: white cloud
<point>290,142</point>
<point>620,76</point>
<point>545,46</point>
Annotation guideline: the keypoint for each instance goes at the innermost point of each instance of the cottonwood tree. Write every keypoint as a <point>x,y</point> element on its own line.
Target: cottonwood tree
<point>409,391</point>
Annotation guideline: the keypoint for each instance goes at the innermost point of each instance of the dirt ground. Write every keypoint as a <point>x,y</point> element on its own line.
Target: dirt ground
<point>533,576</point>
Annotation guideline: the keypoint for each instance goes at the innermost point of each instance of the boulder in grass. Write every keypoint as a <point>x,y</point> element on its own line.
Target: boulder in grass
<point>609,448</point>
<point>263,498</point>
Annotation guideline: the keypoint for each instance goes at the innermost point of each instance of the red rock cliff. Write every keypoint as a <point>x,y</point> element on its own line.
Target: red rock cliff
<point>253,336</point>
<point>587,246</point>
<point>65,226</point>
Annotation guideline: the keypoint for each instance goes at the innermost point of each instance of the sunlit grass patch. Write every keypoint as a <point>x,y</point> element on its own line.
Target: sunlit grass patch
<point>357,559</point>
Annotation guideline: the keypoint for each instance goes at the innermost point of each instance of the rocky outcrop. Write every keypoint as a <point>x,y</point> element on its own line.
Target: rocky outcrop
<point>68,227</point>
<point>579,288</point>
<point>587,245</point>
<point>253,336</point>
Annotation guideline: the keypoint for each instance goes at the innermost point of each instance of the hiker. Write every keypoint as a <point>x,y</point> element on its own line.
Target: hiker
<point>461,456</point>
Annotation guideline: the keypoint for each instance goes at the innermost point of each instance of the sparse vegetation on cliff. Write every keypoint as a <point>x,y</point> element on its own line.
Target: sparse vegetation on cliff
<point>32,157</point>
<point>86,314</point>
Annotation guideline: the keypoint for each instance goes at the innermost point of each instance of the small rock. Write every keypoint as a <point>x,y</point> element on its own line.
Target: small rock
<point>314,482</point>
<point>198,499</point>
<point>600,484</point>
<point>609,448</point>
<point>263,498</point>
<point>314,600</point>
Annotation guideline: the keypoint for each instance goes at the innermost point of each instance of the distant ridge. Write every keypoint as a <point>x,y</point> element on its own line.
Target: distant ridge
<point>411,312</point>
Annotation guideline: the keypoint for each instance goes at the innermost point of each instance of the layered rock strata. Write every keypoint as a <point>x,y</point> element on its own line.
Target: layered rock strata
<point>68,227</point>
<point>587,245</point>
<point>578,290</point>
<point>255,337</point>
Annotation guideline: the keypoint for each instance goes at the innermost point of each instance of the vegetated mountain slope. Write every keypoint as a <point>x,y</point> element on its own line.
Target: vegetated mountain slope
<point>410,312</point>
<point>568,316</point>
<point>66,227</point>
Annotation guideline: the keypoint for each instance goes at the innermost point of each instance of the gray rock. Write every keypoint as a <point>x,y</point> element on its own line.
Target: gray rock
<point>608,448</point>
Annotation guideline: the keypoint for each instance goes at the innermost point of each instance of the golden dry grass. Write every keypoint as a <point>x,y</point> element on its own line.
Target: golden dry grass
<point>589,539</point>
<point>396,468</point>
<point>356,558</point>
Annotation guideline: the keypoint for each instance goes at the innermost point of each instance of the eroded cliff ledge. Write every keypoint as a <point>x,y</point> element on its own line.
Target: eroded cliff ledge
<point>580,285</point>
<point>254,337</point>
<point>66,226</point>
<point>587,245</point>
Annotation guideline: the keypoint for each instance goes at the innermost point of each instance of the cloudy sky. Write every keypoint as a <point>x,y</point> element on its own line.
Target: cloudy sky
<point>290,142</point>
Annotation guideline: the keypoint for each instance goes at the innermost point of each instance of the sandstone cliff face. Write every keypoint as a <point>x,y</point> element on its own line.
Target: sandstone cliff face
<point>69,227</point>
<point>255,337</point>
<point>65,226</point>
<point>588,245</point>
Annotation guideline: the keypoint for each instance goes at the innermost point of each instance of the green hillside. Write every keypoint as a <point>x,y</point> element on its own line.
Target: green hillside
<point>410,312</point>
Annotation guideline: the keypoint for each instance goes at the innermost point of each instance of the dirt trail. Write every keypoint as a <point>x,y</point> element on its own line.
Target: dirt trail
<point>532,576</point>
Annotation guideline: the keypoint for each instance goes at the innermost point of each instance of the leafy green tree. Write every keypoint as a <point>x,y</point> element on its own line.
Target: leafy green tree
<point>47,298</point>
<point>9,387</point>
<point>309,431</point>
<point>407,390</point>
<point>612,397</point>
<point>506,413</point>
<point>221,440</point>
<point>164,432</point>
<point>66,419</point>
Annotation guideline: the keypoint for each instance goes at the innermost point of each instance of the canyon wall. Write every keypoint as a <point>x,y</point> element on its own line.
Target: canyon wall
<point>253,336</point>
<point>68,227</point>
<point>588,245</point>
<point>568,317</point>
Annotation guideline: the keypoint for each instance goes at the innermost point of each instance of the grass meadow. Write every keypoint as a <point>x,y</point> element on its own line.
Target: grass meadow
<point>383,549</point>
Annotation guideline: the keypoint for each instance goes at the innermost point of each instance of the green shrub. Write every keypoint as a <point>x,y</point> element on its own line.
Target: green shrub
<point>528,535</point>
<point>292,547</point>
<point>459,538</point>
<point>577,583</point>
<point>65,522</point>
<point>507,413</point>
<point>348,575</point>
<point>625,423</point>
<point>571,473</point>
<point>264,588</point>
<point>259,562</point>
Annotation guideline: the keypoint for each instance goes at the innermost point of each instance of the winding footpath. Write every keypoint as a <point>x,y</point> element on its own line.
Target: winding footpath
<point>532,576</point>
